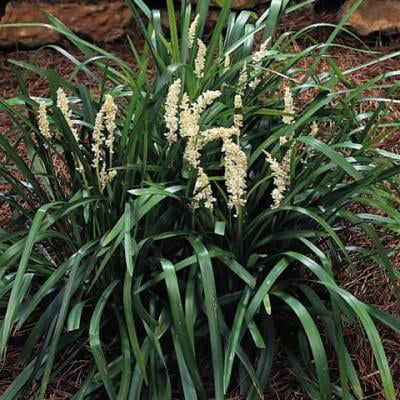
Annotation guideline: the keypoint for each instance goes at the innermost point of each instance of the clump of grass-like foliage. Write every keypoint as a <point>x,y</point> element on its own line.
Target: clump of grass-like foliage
<point>199,216</point>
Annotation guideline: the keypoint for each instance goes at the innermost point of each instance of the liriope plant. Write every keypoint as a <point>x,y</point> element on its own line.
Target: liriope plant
<point>196,219</point>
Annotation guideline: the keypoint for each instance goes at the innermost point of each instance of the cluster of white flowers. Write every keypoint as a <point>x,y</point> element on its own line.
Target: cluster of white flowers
<point>283,140</point>
<point>310,152</point>
<point>192,31</point>
<point>243,76</point>
<point>203,191</point>
<point>189,116</point>
<point>218,133</point>
<point>238,116</point>
<point>287,119</point>
<point>235,163</point>
<point>200,60</point>
<point>205,100</point>
<point>281,171</point>
<point>258,58</point>
<point>238,100</point>
<point>110,112</point>
<point>192,152</point>
<point>189,124</point>
<point>281,175</point>
<point>63,105</point>
<point>106,176</point>
<point>97,140</point>
<point>289,107</point>
<point>105,117</point>
<point>188,127</point>
<point>227,63</point>
<point>43,121</point>
<point>171,111</point>
<point>314,129</point>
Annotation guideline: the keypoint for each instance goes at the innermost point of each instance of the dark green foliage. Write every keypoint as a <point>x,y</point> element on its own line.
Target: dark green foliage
<point>156,290</point>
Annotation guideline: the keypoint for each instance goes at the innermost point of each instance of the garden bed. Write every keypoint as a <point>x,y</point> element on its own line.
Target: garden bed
<point>365,279</point>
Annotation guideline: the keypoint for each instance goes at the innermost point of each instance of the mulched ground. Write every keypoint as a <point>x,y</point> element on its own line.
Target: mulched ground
<point>366,280</point>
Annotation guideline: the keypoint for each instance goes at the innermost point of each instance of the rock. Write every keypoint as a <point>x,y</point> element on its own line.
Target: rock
<point>374,15</point>
<point>102,21</point>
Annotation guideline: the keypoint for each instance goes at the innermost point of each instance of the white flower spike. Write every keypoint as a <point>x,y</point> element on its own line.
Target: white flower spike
<point>200,62</point>
<point>192,31</point>
<point>171,111</point>
<point>43,121</point>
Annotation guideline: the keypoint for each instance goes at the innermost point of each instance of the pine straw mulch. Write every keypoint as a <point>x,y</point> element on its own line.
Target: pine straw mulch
<point>366,280</point>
